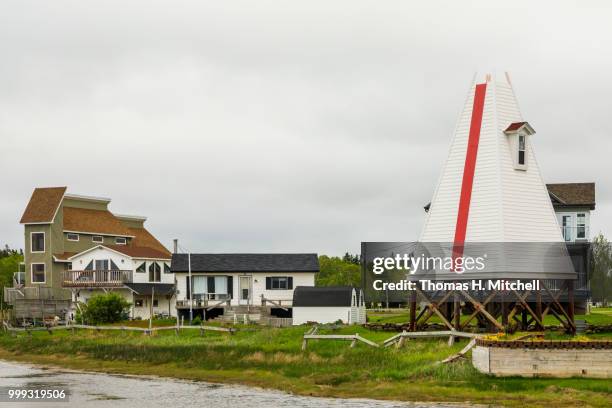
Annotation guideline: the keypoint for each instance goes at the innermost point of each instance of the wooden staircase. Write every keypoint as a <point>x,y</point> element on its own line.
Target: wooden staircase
<point>242,314</point>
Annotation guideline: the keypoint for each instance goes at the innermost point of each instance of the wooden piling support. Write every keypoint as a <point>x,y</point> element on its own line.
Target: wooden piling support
<point>504,310</point>
<point>570,304</point>
<point>413,304</point>
<point>539,325</point>
<point>457,312</point>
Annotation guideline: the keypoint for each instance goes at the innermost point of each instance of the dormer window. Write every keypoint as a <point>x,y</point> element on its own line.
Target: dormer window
<point>521,150</point>
<point>121,241</point>
<point>517,134</point>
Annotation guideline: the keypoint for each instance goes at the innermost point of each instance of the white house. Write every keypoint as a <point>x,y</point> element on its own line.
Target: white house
<point>328,305</point>
<point>220,282</point>
<point>139,275</point>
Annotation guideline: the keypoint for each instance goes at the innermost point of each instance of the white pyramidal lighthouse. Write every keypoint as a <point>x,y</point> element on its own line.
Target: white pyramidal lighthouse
<point>490,189</point>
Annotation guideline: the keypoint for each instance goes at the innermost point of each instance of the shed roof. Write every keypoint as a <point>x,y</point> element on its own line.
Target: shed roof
<point>43,205</point>
<point>339,296</point>
<point>246,263</point>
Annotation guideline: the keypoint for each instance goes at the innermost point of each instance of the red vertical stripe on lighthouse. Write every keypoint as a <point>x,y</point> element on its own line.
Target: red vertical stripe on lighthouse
<point>468,170</point>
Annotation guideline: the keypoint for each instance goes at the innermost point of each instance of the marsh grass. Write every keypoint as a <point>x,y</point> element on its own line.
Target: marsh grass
<point>273,358</point>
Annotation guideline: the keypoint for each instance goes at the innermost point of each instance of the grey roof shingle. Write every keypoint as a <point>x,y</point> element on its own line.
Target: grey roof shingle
<point>309,296</point>
<point>246,263</point>
<point>146,289</point>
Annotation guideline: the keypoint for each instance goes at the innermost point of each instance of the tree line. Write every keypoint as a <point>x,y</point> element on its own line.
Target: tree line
<point>9,264</point>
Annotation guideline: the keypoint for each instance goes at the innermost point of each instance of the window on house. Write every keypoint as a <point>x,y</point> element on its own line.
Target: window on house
<point>38,242</point>
<point>155,302</point>
<point>167,268</point>
<point>138,302</point>
<point>154,272</point>
<point>521,149</point>
<point>142,268</point>
<point>279,282</point>
<point>566,227</point>
<point>38,273</point>
<point>89,266</point>
<point>101,264</point>
<point>97,239</point>
<point>113,266</point>
<point>199,285</point>
<point>120,241</point>
<point>580,225</point>
<point>72,237</point>
<point>69,266</point>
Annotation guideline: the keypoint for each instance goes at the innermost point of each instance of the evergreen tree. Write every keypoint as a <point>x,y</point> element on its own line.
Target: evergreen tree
<point>601,272</point>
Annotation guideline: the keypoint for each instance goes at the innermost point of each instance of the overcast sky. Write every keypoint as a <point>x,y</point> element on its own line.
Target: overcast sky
<point>286,126</point>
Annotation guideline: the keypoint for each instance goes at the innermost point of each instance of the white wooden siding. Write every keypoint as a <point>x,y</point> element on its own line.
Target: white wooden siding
<point>506,204</point>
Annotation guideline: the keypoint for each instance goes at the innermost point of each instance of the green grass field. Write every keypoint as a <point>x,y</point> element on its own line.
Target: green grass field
<point>273,358</point>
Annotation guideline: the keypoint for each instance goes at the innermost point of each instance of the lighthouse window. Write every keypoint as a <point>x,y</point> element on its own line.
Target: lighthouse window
<point>521,150</point>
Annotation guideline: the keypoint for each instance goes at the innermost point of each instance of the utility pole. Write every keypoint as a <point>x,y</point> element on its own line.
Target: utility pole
<point>151,309</point>
<point>190,288</point>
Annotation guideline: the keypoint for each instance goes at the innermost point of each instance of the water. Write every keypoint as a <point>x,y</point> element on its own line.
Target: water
<point>104,390</point>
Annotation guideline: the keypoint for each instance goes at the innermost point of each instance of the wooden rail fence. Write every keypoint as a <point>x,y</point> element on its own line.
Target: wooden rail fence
<point>397,340</point>
<point>353,338</point>
<point>148,331</point>
<point>400,338</point>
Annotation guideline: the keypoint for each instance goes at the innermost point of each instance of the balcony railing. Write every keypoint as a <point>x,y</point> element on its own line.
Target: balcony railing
<point>572,233</point>
<point>95,278</point>
<point>18,279</point>
<point>203,300</point>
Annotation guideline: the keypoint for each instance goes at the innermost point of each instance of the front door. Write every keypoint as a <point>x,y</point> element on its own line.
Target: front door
<point>245,290</point>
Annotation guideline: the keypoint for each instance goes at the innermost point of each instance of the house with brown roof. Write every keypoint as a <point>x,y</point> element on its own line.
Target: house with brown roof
<point>74,244</point>
<point>573,203</point>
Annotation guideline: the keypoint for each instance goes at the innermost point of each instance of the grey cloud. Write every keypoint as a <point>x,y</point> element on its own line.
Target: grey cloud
<point>277,126</point>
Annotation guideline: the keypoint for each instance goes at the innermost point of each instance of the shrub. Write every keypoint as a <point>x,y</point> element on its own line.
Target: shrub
<point>107,308</point>
<point>196,321</point>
